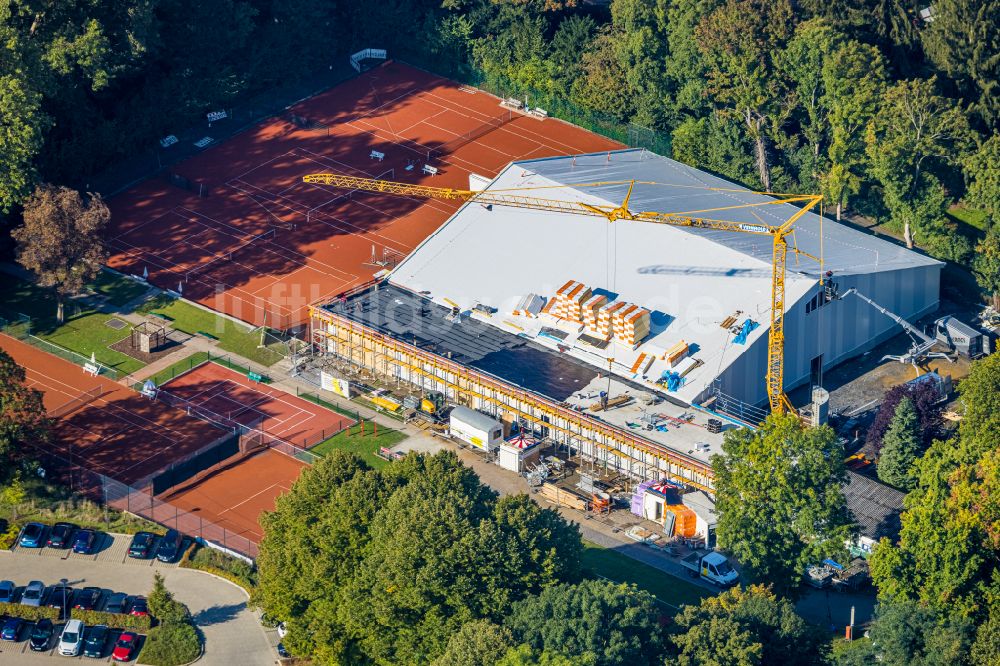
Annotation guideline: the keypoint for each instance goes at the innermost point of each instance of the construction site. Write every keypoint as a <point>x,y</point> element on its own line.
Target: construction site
<point>622,308</point>
<point>574,310</point>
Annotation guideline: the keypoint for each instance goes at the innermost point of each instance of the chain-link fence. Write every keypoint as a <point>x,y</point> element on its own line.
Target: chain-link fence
<point>244,113</point>
<point>558,105</point>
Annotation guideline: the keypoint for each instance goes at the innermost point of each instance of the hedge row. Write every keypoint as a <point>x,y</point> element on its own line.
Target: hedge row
<point>114,620</point>
<point>8,537</point>
<point>30,613</point>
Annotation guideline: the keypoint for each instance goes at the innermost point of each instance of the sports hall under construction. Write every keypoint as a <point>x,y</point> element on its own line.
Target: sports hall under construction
<point>622,304</point>
<point>432,236</point>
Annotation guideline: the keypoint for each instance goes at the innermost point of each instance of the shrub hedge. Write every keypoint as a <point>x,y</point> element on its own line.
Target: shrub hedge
<point>30,613</point>
<point>9,536</point>
<point>214,562</point>
<point>140,623</point>
<point>171,645</point>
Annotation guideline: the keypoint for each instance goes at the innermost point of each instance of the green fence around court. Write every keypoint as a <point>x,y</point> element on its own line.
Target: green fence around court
<point>556,105</point>
<point>21,330</point>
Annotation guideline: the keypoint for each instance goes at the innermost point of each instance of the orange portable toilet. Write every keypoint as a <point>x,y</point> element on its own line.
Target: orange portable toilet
<point>685,520</point>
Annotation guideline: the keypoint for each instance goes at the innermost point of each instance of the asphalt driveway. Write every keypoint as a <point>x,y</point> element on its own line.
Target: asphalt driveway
<point>232,633</point>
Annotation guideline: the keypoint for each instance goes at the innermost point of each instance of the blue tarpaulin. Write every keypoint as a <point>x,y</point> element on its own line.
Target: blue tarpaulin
<point>748,326</point>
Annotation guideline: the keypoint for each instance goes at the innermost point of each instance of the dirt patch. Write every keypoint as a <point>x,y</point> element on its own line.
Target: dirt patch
<point>125,347</point>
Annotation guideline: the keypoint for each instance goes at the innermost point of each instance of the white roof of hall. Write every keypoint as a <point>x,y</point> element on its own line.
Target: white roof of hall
<point>681,188</point>
<point>690,280</point>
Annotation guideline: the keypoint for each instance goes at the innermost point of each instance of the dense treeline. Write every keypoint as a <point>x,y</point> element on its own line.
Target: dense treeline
<point>885,113</point>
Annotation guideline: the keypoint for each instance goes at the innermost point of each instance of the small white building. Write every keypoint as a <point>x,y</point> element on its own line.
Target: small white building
<point>704,511</point>
<point>517,452</point>
<point>479,430</point>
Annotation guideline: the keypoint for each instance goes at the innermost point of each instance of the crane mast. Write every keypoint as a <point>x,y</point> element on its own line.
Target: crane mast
<point>516,198</point>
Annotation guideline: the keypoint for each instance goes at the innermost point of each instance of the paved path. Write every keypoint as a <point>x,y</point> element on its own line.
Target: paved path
<point>232,633</point>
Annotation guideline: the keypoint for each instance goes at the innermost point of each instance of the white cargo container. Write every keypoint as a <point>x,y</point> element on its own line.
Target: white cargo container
<point>477,429</point>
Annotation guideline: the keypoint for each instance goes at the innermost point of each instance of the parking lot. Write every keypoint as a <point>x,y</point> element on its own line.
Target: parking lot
<point>232,633</point>
<point>108,548</point>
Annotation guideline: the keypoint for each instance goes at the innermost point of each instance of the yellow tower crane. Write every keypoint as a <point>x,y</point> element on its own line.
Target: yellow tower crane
<point>516,198</point>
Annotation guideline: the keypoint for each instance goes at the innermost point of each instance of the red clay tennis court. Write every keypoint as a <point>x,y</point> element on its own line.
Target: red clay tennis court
<point>106,427</point>
<point>262,245</point>
<point>218,390</point>
<point>234,496</point>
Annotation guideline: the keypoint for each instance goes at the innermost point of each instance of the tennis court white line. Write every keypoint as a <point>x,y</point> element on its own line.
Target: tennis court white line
<point>254,496</point>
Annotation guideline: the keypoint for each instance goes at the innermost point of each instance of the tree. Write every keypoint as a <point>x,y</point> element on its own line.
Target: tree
<point>737,41</point>
<point>853,83</point>
<point>62,239</point>
<point>22,414</point>
<point>162,604</point>
<point>915,131</point>
<point>477,643</point>
<point>986,263</point>
<point>24,126</point>
<point>778,494</point>
<point>803,62</point>
<point>906,634</point>
<point>948,555</point>
<point>386,566</point>
<point>744,628</point>
<point>900,447</point>
<point>925,398</point>
<point>605,623</point>
<point>982,177</point>
<point>13,494</point>
<point>963,41</point>
<point>639,36</point>
<point>523,655</point>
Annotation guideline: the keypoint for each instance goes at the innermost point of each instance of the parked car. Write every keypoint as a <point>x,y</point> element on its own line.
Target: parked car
<point>84,542</point>
<point>41,635</point>
<point>60,597</point>
<point>11,629</point>
<point>33,593</point>
<point>7,588</point>
<point>71,638</point>
<point>87,598</point>
<point>125,646</point>
<point>170,546</point>
<point>32,536</point>
<point>93,644</point>
<point>116,603</point>
<point>137,606</point>
<point>141,545</point>
<point>282,651</point>
<point>61,535</point>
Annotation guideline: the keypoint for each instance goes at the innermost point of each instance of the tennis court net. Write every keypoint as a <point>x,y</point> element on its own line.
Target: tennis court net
<point>470,136</point>
<point>76,403</point>
<point>228,256</point>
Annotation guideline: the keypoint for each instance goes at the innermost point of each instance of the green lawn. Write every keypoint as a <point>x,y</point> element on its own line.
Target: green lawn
<point>364,445</point>
<point>85,331</point>
<point>973,218</point>
<point>117,289</point>
<point>670,590</point>
<point>232,337</point>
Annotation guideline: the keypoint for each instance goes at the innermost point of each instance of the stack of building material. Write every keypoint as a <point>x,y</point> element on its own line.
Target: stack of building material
<point>685,520</point>
<point>638,497</point>
<point>569,301</point>
<point>529,306</point>
<point>590,311</point>
<point>675,354</point>
<point>630,324</point>
<point>605,316</point>
<point>562,497</point>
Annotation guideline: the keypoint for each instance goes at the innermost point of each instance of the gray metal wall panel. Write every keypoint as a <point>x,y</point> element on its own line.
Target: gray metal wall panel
<point>841,330</point>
